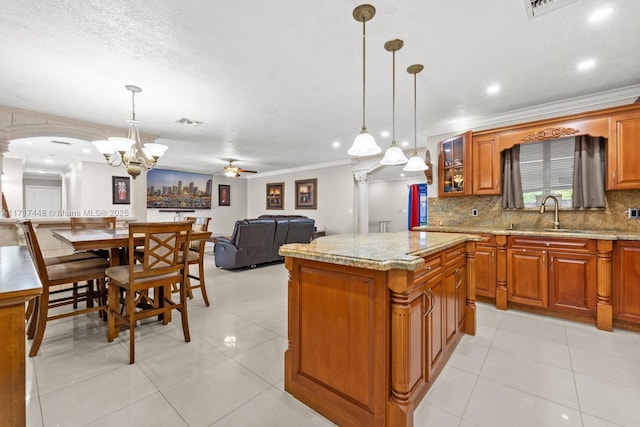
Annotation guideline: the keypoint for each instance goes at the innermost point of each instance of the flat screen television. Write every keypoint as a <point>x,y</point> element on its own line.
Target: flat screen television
<point>167,189</point>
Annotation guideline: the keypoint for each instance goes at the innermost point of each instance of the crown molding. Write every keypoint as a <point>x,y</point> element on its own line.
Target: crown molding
<point>580,104</point>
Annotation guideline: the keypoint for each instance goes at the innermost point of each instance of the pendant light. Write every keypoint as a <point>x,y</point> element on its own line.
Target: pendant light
<point>415,163</point>
<point>364,144</point>
<point>394,155</point>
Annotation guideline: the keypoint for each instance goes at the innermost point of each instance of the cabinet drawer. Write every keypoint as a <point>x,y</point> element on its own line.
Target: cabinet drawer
<point>454,255</point>
<point>431,267</point>
<point>571,245</point>
<point>487,240</point>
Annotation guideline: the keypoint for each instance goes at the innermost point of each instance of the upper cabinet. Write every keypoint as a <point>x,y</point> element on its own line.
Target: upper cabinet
<point>486,175</point>
<point>623,157</point>
<point>454,171</point>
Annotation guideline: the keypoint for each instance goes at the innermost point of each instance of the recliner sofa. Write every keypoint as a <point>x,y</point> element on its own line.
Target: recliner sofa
<point>257,241</point>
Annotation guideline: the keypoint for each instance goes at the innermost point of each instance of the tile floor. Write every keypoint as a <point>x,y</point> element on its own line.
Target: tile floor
<point>519,370</point>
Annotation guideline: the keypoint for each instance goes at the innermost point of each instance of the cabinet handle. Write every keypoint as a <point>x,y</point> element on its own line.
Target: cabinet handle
<point>551,263</point>
<point>614,178</point>
<point>428,269</point>
<point>459,278</point>
<point>432,299</point>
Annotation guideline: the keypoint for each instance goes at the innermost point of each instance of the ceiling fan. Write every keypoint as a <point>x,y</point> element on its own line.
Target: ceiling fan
<point>233,171</point>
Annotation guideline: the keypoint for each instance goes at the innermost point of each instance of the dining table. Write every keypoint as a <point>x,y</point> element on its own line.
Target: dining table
<point>113,239</point>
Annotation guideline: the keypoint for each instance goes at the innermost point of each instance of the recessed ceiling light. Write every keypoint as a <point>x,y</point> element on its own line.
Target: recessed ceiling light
<point>384,133</point>
<point>402,174</point>
<point>42,171</point>
<point>28,142</point>
<point>405,143</point>
<point>600,15</point>
<point>493,89</point>
<point>587,64</point>
<point>336,144</point>
<point>86,150</point>
<point>48,161</point>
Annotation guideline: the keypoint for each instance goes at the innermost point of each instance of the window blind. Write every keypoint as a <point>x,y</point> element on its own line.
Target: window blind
<point>545,166</point>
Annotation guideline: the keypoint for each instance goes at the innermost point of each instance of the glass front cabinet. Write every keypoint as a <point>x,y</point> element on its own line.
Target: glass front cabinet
<point>454,175</point>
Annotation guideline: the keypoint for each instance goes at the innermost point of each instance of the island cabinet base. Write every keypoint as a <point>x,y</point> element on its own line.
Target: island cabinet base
<point>365,345</point>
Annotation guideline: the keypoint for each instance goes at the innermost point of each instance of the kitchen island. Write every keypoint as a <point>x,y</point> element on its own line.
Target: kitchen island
<point>372,320</point>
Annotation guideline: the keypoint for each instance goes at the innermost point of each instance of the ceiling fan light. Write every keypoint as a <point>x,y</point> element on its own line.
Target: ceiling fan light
<point>415,164</point>
<point>394,156</point>
<point>230,173</point>
<point>364,145</point>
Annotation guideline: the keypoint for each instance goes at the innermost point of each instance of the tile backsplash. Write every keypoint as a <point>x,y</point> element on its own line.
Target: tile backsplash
<point>456,211</point>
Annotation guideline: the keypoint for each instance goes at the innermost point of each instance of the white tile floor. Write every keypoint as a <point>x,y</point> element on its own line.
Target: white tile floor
<point>519,370</point>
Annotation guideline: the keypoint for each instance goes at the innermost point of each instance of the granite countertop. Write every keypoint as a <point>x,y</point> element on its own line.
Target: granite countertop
<point>379,251</point>
<point>565,233</point>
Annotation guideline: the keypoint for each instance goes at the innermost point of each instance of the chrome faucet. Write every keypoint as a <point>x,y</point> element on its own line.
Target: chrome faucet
<point>556,219</point>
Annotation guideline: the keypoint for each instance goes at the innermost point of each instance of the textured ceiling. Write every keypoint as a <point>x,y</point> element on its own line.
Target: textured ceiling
<point>276,83</point>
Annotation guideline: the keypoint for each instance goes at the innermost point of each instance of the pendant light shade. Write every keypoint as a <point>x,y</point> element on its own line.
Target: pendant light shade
<point>415,164</point>
<point>364,144</point>
<point>394,155</point>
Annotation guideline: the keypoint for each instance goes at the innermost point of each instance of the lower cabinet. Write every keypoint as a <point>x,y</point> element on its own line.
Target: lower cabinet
<point>572,282</point>
<point>626,281</point>
<point>486,266</point>
<point>552,273</point>
<point>446,313</point>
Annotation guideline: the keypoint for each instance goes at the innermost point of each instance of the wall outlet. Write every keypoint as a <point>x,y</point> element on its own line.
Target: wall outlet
<point>474,212</point>
<point>634,213</point>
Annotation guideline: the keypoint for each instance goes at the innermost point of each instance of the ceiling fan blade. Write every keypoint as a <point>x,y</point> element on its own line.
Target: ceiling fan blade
<point>246,171</point>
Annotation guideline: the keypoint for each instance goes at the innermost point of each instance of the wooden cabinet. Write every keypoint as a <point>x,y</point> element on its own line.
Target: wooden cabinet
<point>486,175</point>
<point>446,313</point>
<point>623,154</point>
<point>454,169</point>
<point>527,277</point>
<point>486,270</point>
<point>552,273</point>
<point>365,345</point>
<point>626,281</point>
<point>434,339</point>
<point>572,282</point>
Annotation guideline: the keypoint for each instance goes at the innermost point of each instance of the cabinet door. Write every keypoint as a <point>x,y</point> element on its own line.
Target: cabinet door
<point>572,282</point>
<point>434,354</point>
<point>454,173</point>
<point>527,277</point>
<point>626,289</point>
<point>486,271</point>
<point>451,282</point>
<point>486,165</point>
<point>623,154</point>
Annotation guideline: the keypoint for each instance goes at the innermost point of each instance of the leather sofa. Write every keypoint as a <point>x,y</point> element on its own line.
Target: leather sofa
<point>257,241</point>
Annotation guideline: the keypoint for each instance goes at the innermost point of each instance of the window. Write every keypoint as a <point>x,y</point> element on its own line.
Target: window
<point>547,168</point>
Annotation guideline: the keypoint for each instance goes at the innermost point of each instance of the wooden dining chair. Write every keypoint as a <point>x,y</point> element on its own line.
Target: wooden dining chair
<point>196,256</point>
<point>55,272</point>
<point>146,285</point>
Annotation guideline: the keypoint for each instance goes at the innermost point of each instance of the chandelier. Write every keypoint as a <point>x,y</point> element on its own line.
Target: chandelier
<point>129,151</point>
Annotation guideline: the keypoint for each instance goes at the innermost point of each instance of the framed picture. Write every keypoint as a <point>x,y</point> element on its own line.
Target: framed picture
<point>224,195</point>
<point>121,190</point>
<point>307,194</point>
<point>167,189</point>
<point>275,195</point>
